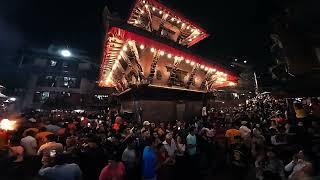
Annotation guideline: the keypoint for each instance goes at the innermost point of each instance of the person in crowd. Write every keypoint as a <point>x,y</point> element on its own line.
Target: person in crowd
<point>57,168</point>
<point>180,158</point>
<point>191,142</point>
<point>115,170</point>
<point>149,160</point>
<point>29,143</point>
<point>298,163</point>
<point>50,145</point>
<point>130,159</point>
<point>71,145</point>
<point>146,126</point>
<point>239,159</point>
<point>231,133</point>
<point>41,135</point>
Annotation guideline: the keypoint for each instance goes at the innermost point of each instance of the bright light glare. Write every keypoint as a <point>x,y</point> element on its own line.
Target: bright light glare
<point>65,53</point>
<point>7,125</point>
<point>12,99</point>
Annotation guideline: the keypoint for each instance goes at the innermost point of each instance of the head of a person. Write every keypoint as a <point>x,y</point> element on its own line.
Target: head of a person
<point>169,137</point>
<point>51,138</point>
<point>301,155</point>
<point>155,134</point>
<point>287,126</point>
<point>151,142</point>
<point>146,124</point>
<point>162,125</point>
<point>153,125</point>
<point>130,143</point>
<point>192,130</point>
<point>71,141</point>
<point>114,157</point>
<point>179,139</point>
<point>146,133</point>
<point>271,154</point>
<point>14,141</point>
<point>30,133</point>
<point>93,141</point>
<point>61,159</point>
<point>42,129</point>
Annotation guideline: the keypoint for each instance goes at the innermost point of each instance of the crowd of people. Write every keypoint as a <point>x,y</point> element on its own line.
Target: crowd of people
<point>260,137</point>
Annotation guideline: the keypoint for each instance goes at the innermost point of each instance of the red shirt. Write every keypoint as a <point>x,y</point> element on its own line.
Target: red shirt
<point>113,173</point>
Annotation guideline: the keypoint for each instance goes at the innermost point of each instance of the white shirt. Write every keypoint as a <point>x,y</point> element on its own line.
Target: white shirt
<point>295,167</point>
<point>244,131</point>
<point>170,148</point>
<point>30,145</point>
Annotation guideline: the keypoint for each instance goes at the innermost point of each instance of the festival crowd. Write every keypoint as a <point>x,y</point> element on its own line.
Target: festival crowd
<point>261,140</point>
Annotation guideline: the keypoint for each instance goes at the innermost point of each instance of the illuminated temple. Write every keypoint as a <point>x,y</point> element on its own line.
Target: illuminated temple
<point>147,60</point>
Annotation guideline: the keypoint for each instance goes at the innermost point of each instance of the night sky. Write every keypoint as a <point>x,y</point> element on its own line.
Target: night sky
<point>238,28</point>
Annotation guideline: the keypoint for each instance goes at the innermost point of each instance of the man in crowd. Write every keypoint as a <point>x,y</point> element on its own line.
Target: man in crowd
<point>50,146</point>
<point>149,160</point>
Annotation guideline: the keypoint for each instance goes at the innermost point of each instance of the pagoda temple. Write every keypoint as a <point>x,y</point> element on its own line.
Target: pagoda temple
<point>146,58</point>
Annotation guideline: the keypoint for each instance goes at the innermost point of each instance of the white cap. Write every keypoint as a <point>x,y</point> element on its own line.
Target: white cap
<point>32,120</point>
<point>146,123</point>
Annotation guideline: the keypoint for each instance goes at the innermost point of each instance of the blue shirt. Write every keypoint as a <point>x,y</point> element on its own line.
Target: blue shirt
<point>192,140</point>
<point>149,163</point>
<point>61,172</point>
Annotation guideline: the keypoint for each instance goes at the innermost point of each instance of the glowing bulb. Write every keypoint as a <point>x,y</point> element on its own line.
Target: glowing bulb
<point>172,19</point>
<point>245,62</point>
<point>136,21</point>
<point>160,12</point>
<point>183,24</point>
<point>153,9</point>
<point>130,43</point>
<point>187,61</point>
<point>214,70</point>
<point>161,53</point>
<point>202,66</point>
<point>192,63</point>
<point>152,49</point>
<point>7,124</point>
<point>188,27</point>
<point>232,84</point>
<point>124,48</point>
<point>169,56</point>
<point>141,46</point>
<point>206,68</point>
<point>225,75</point>
<point>176,58</point>
<point>142,11</point>
<point>143,1</point>
<point>119,57</point>
<point>192,30</point>
<point>178,21</point>
<point>166,15</point>
<point>146,6</point>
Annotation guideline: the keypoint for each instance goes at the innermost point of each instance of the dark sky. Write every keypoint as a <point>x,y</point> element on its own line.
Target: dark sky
<point>238,28</point>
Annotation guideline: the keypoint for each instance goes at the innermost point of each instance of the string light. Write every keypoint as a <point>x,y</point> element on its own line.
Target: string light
<point>166,15</point>
<point>146,6</point>
<point>143,1</point>
<point>178,21</point>
<point>202,66</point>
<point>176,58</point>
<point>206,68</point>
<point>182,58</point>
<point>160,12</point>
<point>188,27</point>
<point>169,56</point>
<point>187,61</point>
<point>183,24</point>
<point>136,21</point>
<point>172,19</point>
<point>192,63</point>
<point>161,53</point>
<point>142,11</point>
<point>152,49</point>
<point>153,9</point>
<point>192,30</point>
<point>232,84</point>
<point>141,46</point>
